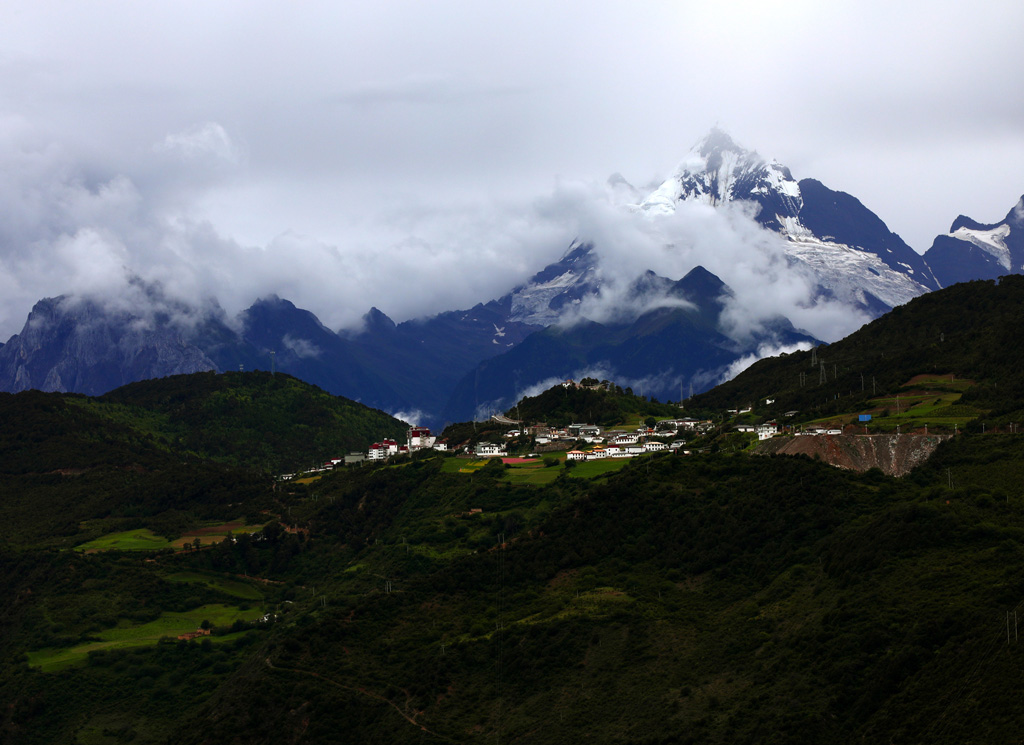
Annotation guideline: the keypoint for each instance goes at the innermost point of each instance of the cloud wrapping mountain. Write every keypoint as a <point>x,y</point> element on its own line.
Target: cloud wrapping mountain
<point>796,261</point>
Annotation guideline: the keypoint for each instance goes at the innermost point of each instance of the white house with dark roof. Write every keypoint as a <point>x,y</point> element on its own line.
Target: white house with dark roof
<point>488,450</point>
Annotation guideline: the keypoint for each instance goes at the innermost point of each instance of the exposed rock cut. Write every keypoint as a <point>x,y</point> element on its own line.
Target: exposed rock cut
<point>895,455</point>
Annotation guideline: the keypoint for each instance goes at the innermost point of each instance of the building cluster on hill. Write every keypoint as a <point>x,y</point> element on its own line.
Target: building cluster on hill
<point>417,438</point>
<point>818,430</point>
<point>764,431</point>
<point>608,443</point>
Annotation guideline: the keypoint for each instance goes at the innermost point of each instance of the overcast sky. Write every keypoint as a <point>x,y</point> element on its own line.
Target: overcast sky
<point>422,156</point>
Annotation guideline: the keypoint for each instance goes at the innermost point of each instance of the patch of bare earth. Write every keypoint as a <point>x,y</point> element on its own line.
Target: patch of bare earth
<point>895,455</point>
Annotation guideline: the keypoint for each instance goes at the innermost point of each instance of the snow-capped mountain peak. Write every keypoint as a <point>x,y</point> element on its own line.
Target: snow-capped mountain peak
<point>717,170</point>
<point>848,248</point>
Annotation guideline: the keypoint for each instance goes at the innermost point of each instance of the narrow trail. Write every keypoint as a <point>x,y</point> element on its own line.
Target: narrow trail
<point>370,694</point>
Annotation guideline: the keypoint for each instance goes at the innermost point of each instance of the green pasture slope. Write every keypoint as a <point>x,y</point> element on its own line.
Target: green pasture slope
<point>537,473</point>
<point>140,539</point>
<point>126,636</point>
<point>925,401</point>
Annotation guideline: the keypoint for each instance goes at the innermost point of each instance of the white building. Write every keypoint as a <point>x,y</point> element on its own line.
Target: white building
<point>488,450</point>
<point>382,450</point>
<point>419,438</point>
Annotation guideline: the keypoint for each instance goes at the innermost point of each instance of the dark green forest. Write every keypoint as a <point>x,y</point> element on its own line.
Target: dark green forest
<point>269,421</point>
<point>718,597</point>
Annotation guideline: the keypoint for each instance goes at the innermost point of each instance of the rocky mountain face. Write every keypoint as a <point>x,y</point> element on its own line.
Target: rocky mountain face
<point>556,288</point>
<point>80,346</point>
<point>972,250</point>
<point>83,345</point>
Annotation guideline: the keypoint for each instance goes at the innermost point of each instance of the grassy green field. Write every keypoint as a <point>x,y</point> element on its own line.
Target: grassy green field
<point>533,473</point>
<point>537,473</point>
<point>125,636</point>
<point>211,534</point>
<point>927,400</point>
<point>462,465</point>
<point>142,539</point>
<point>591,469</point>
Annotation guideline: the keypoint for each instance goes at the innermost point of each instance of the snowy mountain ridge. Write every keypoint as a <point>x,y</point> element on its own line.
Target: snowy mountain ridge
<point>542,301</point>
<point>992,242</point>
<point>972,250</point>
<point>717,171</point>
<point>871,268</point>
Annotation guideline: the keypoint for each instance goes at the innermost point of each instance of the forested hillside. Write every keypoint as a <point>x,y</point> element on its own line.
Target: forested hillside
<point>161,588</point>
<point>264,420</point>
<point>970,330</point>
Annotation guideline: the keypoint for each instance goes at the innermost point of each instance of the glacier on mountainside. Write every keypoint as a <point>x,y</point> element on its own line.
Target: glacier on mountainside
<point>544,299</point>
<point>717,171</point>
<point>992,242</point>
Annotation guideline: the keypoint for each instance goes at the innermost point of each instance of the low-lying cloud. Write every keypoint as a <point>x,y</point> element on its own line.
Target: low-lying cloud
<point>301,348</point>
<point>75,227</point>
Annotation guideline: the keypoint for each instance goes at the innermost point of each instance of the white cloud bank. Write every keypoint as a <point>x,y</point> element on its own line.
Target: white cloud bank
<point>76,228</point>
